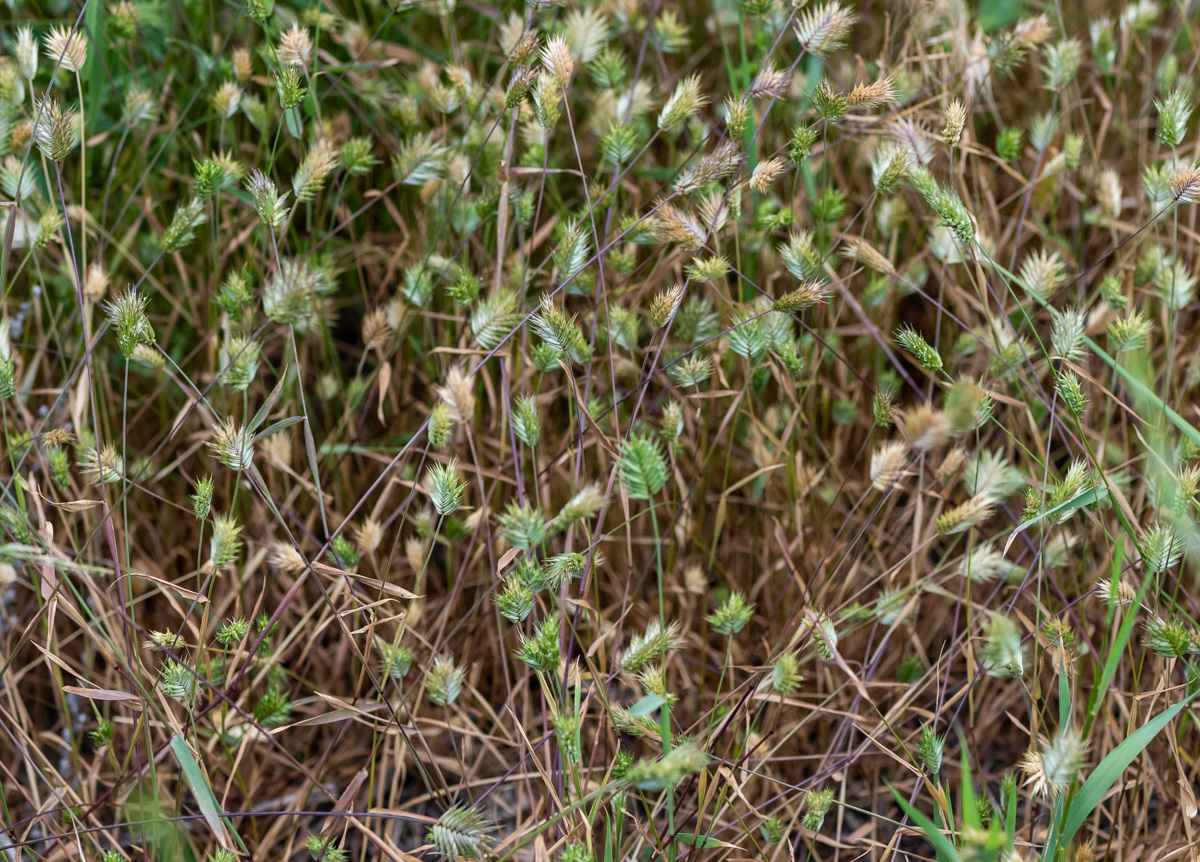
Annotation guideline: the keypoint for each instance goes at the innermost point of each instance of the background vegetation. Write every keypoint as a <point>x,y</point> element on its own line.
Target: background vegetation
<point>598,431</point>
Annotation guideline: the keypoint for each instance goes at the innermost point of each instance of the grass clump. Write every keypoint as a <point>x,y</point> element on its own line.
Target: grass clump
<point>598,430</point>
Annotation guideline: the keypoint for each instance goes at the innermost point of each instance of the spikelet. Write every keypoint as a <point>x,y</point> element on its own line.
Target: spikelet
<point>67,48</point>
<point>955,117</point>
<point>458,393</point>
<point>368,536</point>
<point>683,103</point>
<point>858,249</point>
<point>769,82</point>
<point>1185,185</point>
<point>878,93</point>
<point>558,61</point>
<point>664,305</point>
<point>807,294</point>
<point>824,28</point>
<point>375,330</point>
<point>889,465</point>
<point>926,428</point>
<point>1052,770</point>
<point>319,162</point>
<point>295,47</point>
<point>971,513</point>
<point>678,227</point>
<point>765,173</point>
<point>283,556</point>
<point>711,167</point>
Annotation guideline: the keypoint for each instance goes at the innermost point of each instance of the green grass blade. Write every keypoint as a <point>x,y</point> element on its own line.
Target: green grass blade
<point>1105,775</point>
<point>941,843</point>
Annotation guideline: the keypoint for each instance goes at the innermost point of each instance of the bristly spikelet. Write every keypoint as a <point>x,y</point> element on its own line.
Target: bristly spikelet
<point>830,102</point>
<point>444,681</point>
<point>320,847</point>
<point>525,420</point>
<point>946,203</point>
<point>368,536</point>
<point>462,833</point>
<point>823,29</point>
<point>1003,653</point>
<point>445,487</point>
<point>684,102</point>
<point>984,564</point>
<point>925,428</point>
<point>768,83</point>
<point>1161,549</point>
<point>765,173</point>
<point>1185,185</point>
<point>458,394</point>
<point>239,359</point>
<point>858,249</point>
<point>664,305</point>
<point>182,229</point>
<point>419,160</point>
<point>643,469</point>
<point>1123,594</point>
<point>103,465</point>
<point>268,203</point>
<point>1071,392</point>
<point>56,130</point>
<point>283,556</point>
<point>558,61</point>
<point>807,294</point>
<point>1041,273</point>
<point>650,646</point>
<point>1051,771</point>
<point>1173,114</point>
<point>523,525</point>
<point>707,269</point>
<point>1172,638</point>
<point>971,513</point>
<point>26,50</point>
<point>319,162</point>
<point>585,503</point>
<point>1011,46</point>
<point>376,331</point>
<point>177,682</point>
<point>1066,337</point>
<point>737,114</point>
<point>66,47</point>
<point>929,750</point>
<point>889,465</point>
<point>890,164</point>
<point>128,315</point>
<point>955,117</point>
<point>1129,332</point>
<point>922,350</point>
<point>541,651</point>
<point>1062,63</point>
<point>732,616</point>
<point>816,805</point>
<point>685,758</point>
<point>295,47</point>
<point>785,675</point>
<point>878,93</point>
<point>915,138</point>
<point>515,601</point>
<point>560,332</point>
<point>225,544</point>
<point>233,446</point>
<point>202,499</point>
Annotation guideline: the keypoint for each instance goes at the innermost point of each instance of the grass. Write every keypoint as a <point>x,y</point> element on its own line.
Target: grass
<point>598,432</point>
